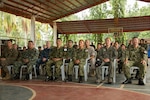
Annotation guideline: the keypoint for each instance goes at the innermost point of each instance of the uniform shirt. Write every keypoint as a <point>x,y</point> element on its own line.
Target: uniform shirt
<point>10,54</point>
<point>32,54</point>
<point>109,53</point>
<point>45,53</point>
<point>136,54</point>
<point>121,54</point>
<point>80,54</point>
<point>69,52</point>
<point>91,51</point>
<point>144,46</point>
<point>57,53</point>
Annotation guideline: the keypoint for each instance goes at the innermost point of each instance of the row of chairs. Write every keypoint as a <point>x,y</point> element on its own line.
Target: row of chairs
<point>76,67</point>
<point>86,70</point>
<point>10,69</point>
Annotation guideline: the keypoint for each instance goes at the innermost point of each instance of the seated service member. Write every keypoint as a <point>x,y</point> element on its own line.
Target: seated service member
<point>44,56</point>
<point>80,56</point>
<point>106,55</point>
<point>143,44</point>
<point>56,58</point>
<point>135,56</point>
<point>91,56</point>
<point>121,57</point>
<point>9,56</point>
<point>29,58</point>
<point>68,54</point>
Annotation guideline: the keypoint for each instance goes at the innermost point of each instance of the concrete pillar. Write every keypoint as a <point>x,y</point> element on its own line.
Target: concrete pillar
<point>33,36</point>
<point>25,40</point>
<point>54,33</point>
<point>0,55</point>
<point>0,46</point>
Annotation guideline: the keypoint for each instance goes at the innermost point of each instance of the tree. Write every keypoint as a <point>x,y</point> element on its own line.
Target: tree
<point>99,12</point>
<point>118,9</point>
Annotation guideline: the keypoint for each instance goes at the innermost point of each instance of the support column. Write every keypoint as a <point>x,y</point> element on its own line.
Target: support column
<point>54,33</point>
<point>0,55</point>
<point>33,37</point>
<point>25,40</point>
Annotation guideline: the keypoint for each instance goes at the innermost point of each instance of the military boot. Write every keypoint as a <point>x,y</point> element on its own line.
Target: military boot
<point>70,78</point>
<point>109,80</point>
<point>7,77</point>
<point>127,81</point>
<point>16,76</point>
<point>141,82</point>
<point>48,78</point>
<point>80,79</point>
<point>26,77</point>
<point>98,81</point>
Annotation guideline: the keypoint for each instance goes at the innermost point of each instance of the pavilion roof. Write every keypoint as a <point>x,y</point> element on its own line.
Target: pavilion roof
<point>46,11</point>
<point>129,24</point>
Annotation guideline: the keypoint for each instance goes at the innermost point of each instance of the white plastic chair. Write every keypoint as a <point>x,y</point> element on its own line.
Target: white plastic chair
<point>106,67</point>
<point>63,70</point>
<point>30,75</point>
<point>76,67</point>
<point>10,69</point>
<point>136,68</point>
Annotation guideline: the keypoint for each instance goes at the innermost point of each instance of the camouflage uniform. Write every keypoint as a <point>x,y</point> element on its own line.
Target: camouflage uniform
<point>31,55</point>
<point>69,56</point>
<point>56,53</point>
<point>82,55</point>
<point>104,53</point>
<point>135,56</point>
<point>121,57</point>
<point>144,46</point>
<point>92,52</point>
<point>10,55</point>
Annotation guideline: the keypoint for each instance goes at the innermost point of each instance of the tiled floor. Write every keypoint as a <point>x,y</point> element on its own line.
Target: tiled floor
<point>11,92</point>
<point>83,91</point>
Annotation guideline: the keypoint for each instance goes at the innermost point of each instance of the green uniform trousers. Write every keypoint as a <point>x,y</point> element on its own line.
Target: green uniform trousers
<point>110,70</point>
<point>81,68</point>
<point>70,68</point>
<point>142,69</point>
<point>4,65</point>
<point>57,64</point>
<point>18,64</point>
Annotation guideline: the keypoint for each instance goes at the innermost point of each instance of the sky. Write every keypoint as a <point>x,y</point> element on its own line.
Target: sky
<point>129,3</point>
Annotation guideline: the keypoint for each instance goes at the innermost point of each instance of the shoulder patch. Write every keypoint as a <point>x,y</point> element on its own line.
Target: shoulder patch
<point>86,50</point>
<point>145,52</point>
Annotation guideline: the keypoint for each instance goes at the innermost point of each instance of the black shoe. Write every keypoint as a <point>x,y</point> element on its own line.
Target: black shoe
<point>16,76</point>
<point>48,78</point>
<point>27,77</point>
<point>56,79</point>
<point>80,79</point>
<point>70,78</point>
<point>128,81</point>
<point>119,71</point>
<point>110,80</point>
<point>141,82</point>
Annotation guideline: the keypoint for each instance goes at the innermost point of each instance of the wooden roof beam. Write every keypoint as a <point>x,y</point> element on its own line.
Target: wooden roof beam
<point>55,5</point>
<point>41,7</point>
<point>31,8</point>
<point>64,4</point>
<point>72,3</point>
<point>79,2</point>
